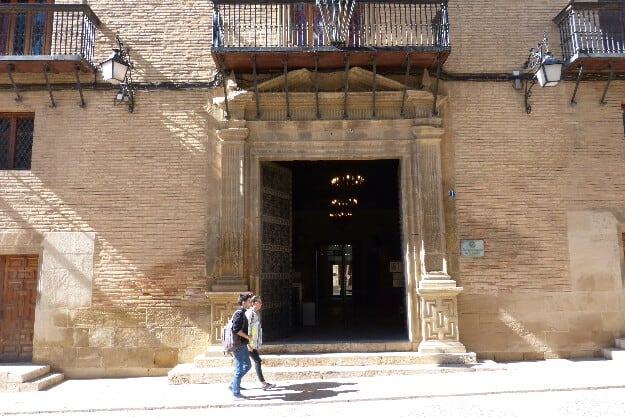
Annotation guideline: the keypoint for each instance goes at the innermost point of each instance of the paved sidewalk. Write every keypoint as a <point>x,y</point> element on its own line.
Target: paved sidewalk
<point>155,393</point>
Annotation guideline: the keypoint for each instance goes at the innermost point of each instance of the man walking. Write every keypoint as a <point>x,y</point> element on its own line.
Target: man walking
<point>241,355</point>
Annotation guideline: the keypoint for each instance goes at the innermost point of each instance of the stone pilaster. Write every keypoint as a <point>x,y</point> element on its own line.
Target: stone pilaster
<point>232,213</point>
<point>432,227</point>
<point>436,290</point>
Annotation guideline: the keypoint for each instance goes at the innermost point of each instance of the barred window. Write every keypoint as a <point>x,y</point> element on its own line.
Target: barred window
<point>16,140</point>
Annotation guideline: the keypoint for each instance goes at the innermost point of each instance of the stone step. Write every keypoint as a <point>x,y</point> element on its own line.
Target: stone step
<point>27,377</point>
<point>20,372</point>
<point>190,374</point>
<point>42,383</point>
<point>342,359</point>
<point>614,353</point>
<point>213,366</point>
<point>620,342</point>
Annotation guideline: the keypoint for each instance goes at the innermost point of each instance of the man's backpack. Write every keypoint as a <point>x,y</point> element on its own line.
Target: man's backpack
<point>229,340</point>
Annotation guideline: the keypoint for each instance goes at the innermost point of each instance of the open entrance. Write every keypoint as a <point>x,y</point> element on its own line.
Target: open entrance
<point>346,280</point>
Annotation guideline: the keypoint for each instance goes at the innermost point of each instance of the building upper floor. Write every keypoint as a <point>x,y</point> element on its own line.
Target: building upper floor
<point>191,41</point>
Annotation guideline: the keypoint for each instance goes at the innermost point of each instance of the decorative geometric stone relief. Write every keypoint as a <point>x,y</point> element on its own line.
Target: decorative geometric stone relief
<point>440,320</point>
<point>222,306</point>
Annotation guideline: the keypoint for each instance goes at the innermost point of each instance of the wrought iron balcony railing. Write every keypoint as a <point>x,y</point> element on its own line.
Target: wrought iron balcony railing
<point>291,26</point>
<point>593,33</point>
<point>50,33</point>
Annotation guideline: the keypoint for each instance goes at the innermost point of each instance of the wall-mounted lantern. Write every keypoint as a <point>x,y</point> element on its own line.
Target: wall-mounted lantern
<point>546,69</point>
<point>118,67</point>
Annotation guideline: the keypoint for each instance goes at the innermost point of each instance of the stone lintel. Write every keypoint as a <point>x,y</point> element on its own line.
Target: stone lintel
<point>428,121</point>
<point>19,242</point>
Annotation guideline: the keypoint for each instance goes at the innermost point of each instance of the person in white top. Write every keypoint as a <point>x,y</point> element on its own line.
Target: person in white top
<point>256,338</point>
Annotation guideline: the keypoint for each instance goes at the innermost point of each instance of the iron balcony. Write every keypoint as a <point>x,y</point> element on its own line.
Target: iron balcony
<point>50,37</point>
<point>260,35</point>
<point>592,35</point>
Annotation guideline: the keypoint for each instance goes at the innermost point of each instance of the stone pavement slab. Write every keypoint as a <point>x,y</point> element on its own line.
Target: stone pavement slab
<point>155,393</point>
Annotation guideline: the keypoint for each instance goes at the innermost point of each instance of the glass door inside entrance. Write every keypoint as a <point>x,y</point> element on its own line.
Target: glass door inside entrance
<point>335,283</point>
<point>340,258</point>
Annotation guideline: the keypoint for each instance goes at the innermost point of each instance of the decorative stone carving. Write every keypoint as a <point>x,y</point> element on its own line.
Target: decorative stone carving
<point>222,305</point>
<point>232,211</point>
<point>329,122</point>
<point>437,291</point>
<point>439,316</point>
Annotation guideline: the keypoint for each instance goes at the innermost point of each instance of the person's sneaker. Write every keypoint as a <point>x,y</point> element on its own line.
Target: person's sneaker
<point>268,386</point>
<point>239,396</point>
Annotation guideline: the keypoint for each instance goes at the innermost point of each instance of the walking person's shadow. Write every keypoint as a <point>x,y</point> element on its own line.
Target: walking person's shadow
<point>304,391</point>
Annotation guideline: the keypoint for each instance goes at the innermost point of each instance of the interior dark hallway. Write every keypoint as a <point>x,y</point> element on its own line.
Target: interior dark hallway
<point>348,281</point>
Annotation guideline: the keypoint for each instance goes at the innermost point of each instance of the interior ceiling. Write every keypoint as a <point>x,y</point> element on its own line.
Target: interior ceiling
<point>312,190</point>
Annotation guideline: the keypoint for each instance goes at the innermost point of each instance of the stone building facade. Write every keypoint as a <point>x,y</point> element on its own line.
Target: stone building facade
<point>137,230</point>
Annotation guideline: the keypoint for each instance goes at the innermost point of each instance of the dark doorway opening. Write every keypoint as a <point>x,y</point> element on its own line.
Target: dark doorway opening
<point>346,281</point>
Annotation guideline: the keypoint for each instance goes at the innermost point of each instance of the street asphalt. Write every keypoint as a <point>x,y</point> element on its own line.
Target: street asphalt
<point>143,396</point>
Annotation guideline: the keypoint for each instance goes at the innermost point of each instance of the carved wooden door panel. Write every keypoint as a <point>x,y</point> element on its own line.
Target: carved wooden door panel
<point>18,293</point>
<point>275,278</point>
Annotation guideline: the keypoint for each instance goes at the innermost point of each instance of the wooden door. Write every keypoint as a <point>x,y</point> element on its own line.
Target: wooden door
<point>18,293</point>
<point>275,278</point>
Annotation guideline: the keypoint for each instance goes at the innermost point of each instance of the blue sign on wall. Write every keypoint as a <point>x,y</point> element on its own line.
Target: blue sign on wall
<point>472,248</point>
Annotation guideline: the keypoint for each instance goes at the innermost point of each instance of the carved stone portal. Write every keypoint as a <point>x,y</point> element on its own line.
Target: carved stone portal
<point>303,116</point>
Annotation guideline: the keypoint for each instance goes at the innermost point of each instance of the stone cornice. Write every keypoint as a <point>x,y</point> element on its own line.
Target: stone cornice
<point>428,132</point>
<point>233,134</point>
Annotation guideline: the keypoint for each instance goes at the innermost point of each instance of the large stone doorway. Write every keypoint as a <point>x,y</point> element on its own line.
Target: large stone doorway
<point>346,277</point>
<point>376,119</point>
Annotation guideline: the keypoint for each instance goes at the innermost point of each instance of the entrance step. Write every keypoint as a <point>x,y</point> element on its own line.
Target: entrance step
<point>615,353</point>
<point>212,368</point>
<point>23,377</point>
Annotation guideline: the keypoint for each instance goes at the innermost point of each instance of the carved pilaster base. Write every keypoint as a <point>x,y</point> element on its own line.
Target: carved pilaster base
<point>441,346</point>
<point>222,305</point>
<point>439,316</point>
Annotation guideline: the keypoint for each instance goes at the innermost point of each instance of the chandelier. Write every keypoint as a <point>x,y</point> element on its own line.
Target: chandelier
<point>345,189</point>
<point>347,180</point>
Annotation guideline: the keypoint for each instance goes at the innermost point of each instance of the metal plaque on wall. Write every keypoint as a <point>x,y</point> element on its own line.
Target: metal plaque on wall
<point>472,248</point>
